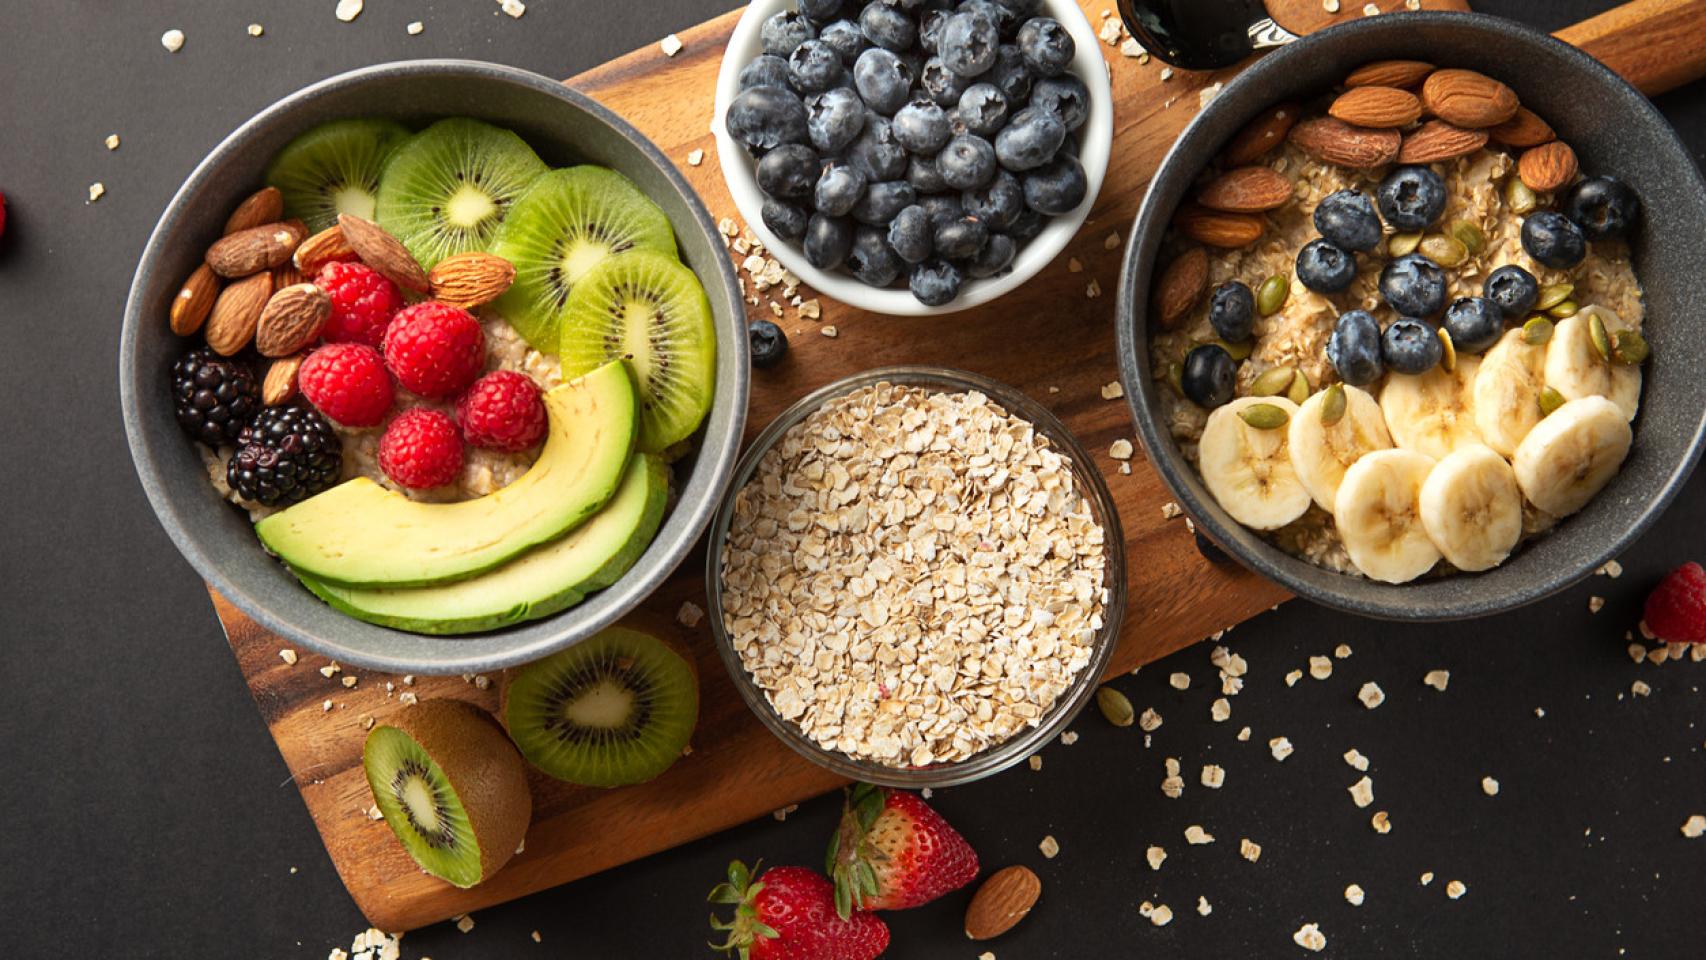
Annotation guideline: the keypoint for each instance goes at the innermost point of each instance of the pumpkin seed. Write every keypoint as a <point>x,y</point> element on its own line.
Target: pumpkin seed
<point>1564,309</point>
<point>1554,294</point>
<point>1550,400</point>
<point>1239,351</point>
<point>1443,250</point>
<point>1271,296</point>
<point>1628,347</point>
<point>1299,391</point>
<point>1114,706</point>
<point>1402,243</point>
<point>1264,416</point>
<point>1519,197</point>
<point>1537,330</point>
<point>1601,339</point>
<point>1333,405</point>
<point>1448,358</point>
<point>1176,378</point>
<point>1469,235</point>
<point>1271,382</point>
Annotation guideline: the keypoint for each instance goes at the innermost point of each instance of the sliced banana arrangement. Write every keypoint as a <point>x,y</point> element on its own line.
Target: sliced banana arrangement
<point>1379,515</point>
<point>1245,458</point>
<point>1430,413</point>
<point>1572,454</point>
<point>1506,396</point>
<point>1580,361</point>
<point>1471,507</point>
<point>1332,430</point>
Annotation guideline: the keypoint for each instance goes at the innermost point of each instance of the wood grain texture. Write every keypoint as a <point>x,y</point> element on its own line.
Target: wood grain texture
<point>1657,45</point>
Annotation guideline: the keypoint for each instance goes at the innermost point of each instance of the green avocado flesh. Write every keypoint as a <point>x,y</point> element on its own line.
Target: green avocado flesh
<point>536,584</point>
<point>362,535</point>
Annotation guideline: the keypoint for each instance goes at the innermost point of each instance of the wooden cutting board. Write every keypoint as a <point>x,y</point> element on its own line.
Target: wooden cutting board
<point>1054,339</point>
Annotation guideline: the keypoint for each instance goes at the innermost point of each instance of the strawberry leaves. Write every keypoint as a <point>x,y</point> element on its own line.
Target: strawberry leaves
<point>850,859</point>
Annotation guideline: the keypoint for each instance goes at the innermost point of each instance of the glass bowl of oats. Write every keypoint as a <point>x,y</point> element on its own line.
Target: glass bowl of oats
<point>917,577</point>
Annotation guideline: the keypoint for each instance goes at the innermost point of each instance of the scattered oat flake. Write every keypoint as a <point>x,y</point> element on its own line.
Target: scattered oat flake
<point>1370,9</point>
<point>1354,895</point>
<point>1320,667</point>
<point>1694,827</point>
<point>1292,678</point>
<point>1049,846</point>
<point>1196,836</point>
<point>1310,937</point>
<point>112,141</point>
<point>671,45</point>
<point>1244,735</point>
<point>1637,652</point>
<point>1166,74</point>
<point>811,309</point>
<point>1612,569</point>
<point>690,614</point>
<point>1036,761</point>
<point>1073,265</point>
<point>515,8</point>
<point>1131,48</point>
<point>1427,878</point>
<point>695,157</point>
<point>349,682</point>
<point>986,955</point>
<point>1249,849</point>
<point>1171,511</point>
<point>1331,6</point>
<point>1125,468</point>
<point>331,670</point>
<point>1220,710</point>
<point>288,656</point>
<point>1149,721</point>
<point>1371,695</point>
<point>348,10</point>
<point>1068,738</point>
<point>1596,604</point>
<point>1213,776</point>
<point>256,29</point>
<point>172,40</point>
<point>1437,679</point>
<point>1489,786</point>
<point>1179,681</point>
<point>1203,908</point>
<point>1456,889</point>
<point>830,331</point>
<point>1281,747</point>
<point>326,706</point>
<point>415,27</point>
<point>1640,689</point>
<point>1156,856</point>
<point>96,191</point>
<point>1342,651</point>
<point>1354,757</point>
<point>781,814</point>
<point>1112,390</point>
<point>536,937</point>
<point>465,922</point>
<point>1093,289</point>
<point>1362,792</point>
<point>1161,915</point>
<point>1111,241</point>
<point>373,812</point>
<point>1381,822</point>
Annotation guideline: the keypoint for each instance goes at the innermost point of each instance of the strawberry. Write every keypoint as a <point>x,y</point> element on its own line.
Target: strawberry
<point>788,913</point>
<point>1676,609</point>
<point>892,852</point>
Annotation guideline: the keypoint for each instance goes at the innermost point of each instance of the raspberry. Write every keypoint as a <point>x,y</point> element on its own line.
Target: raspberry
<point>348,382</point>
<point>1676,609</point>
<point>435,349</point>
<point>363,303</point>
<point>502,411</point>
<point>421,449</point>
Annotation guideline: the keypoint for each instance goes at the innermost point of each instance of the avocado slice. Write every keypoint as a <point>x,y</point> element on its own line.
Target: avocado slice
<point>360,534</point>
<point>536,584</point>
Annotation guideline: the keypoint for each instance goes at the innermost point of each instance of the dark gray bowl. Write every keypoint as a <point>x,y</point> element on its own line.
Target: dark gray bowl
<point>1614,130</point>
<point>564,127</point>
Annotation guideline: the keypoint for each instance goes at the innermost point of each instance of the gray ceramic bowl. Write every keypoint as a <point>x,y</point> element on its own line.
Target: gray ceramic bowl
<point>1615,131</point>
<point>564,127</point>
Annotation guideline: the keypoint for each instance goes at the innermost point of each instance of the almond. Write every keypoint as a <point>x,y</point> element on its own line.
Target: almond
<point>1468,99</point>
<point>1259,136</point>
<point>1246,190</point>
<point>1523,129</point>
<point>194,300</point>
<point>1379,107</point>
<point>384,253</point>
<point>286,275</point>
<point>291,320</point>
<point>468,280</point>
<point>1180,287</point>
<point>1002,902</point>
<point>279,386</point>
<point>252,250</point>
<point>231,325</point>
<point>1437,140</point>
<point>322,248</point>
<point>1547,167</point>
<point>1334,141</point>
<point>262,207</point>
<point>1217,229</point>
<point>1403,74</point>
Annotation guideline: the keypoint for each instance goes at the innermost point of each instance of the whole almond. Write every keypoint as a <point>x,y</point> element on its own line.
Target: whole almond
<point>1379,107</point>
<point>1003,900</point>
<point>1468,99</point>
<point>1218,229</point>
<point>468,280</point>
<point>252,250</point>
<point>1523,129</point>
<point>1390,73</point>
<point>1246,190</point>
<point>235,314</point>
<point>1180,287</point>
<point>194,301</point>
<point>1260,135</point>
<point>291,320</point>
<point>279,386</point>
<point>1437,140</point>
<point>1334,141</point>
<point>322,248</point>
<point>262,207</point>
<point>384,253</point>
<point>1547,167</point>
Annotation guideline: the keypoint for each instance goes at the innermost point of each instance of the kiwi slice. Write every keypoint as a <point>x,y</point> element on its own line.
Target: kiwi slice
<point>646,308</point>
<point>614,709</point>
<point>334,168</point>
<point>568,222</point>
<point>452,788</point>
<point>447,189</point>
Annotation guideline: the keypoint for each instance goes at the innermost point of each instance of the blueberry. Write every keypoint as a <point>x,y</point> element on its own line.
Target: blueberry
<point>827,241</point>
<point>887,27</point>
<point>1514,289</point>
<point>1347,219</point>
<point>924,175</point>
<point>935,282</point>
<point>909,234</point>
<point>1553,239</point>
<point>942,208</point>
<point>1029,140</point>
<point>784,219</point>
<point>1603,207</point>
<point>788,172</point>
<point>1010,75</point>
<point>765,117</point>
<point>1413,285</point>
<point>847,39</point>
<point>1046,46</point>
<point>922,127</point>
<point>765,71</point>
<point>815,67</point>
<point>883,79</point>
<point>967,162</point>
<point>1410,346</point>
<point>968,42</point>
<point>1026,226</point>
<point>1232,311</point>
<point>875,151</point>
<point>930,28</point>
<point>838,188</point>
<point>983,108</point>
<point>1064,96</point>
<point>960,240</point>
<point>783,32</point>
<point>871,260</point>
<point>941,84</point>
<point>996,254</point>
<point>1354,348</point>
<point>1475,323</point>
<point>1209,376</point>
<point>997,203</point>
<point>834,119</point>
<point>818,11</point>
<point>882,201</point>
<point>1056,188</point>
<point>1325,268</point>
<point>769,344</point>
<point>1006,21</point>
<point>1411,198</point>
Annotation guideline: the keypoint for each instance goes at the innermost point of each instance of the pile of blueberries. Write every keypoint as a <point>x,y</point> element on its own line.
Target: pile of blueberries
<point>1411,199</point>
<point>922,138</point>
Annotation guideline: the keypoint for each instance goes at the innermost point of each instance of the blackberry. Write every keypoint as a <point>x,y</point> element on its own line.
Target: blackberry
<point>286,455</point>
<point>213,397</point>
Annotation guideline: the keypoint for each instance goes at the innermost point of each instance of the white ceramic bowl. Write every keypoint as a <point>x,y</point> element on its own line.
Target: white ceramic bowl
<point>1095,138</point>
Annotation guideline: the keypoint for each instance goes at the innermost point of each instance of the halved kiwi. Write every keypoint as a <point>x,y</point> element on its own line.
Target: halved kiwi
<point>646,308</point>
<point>567,223</point>
<point>616,708</point>
<point>447,189</point>
<point>334,168</point>
<point>452,788</point>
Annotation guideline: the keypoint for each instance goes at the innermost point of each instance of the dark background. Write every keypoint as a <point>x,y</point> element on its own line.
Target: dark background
<point>147,813</point>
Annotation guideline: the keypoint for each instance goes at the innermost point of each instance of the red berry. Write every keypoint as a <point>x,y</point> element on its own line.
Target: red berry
<point>363,303</point>
<point>2,214</point>
<point>421,448</point>
<point>894,837</point>
<point>435,349</point>
<point>1676,609</point>
<point>502,411</point>
<point>348,382</point>
<point>788,913</point>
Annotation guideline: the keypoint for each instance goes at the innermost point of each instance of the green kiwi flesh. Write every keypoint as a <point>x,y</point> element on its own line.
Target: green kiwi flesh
<point>616,708</point>
<point>646,308</point>
<point>334,168</point>
<point>448,188</point>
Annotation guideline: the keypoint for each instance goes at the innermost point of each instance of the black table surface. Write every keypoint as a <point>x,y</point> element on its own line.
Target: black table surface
<point>147,812</point>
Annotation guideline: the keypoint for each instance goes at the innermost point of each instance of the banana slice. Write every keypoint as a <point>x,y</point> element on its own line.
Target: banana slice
<point>1506,395</point>
<point>1472,507</point>
<point>1321,453</point>
<point>1249,470</point>
<point>1378,513</point>
<point>1575,368</point>
<point>1432,413</point>
<point>1572,454</point>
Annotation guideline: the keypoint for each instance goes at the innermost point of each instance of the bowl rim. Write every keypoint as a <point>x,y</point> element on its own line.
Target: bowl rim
<point>1094,149</point>
<point>1399,602</point>
<point>455,653</point>
<point>1066,708</point>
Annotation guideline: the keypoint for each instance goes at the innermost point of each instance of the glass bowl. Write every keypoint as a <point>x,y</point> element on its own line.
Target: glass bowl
<point>1028,741</point>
